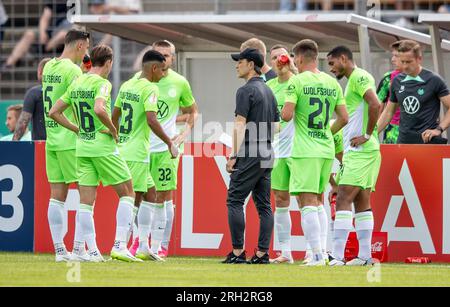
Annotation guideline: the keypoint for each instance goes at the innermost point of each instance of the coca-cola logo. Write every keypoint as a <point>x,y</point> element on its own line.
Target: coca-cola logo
<point>377,247</point>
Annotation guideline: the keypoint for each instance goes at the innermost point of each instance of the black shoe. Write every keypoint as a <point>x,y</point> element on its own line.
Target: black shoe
<point>232,258</point>
<point>260,260</point>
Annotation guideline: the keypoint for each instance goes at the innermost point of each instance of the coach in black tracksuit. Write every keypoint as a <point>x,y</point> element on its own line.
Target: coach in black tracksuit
<point>251,161</point>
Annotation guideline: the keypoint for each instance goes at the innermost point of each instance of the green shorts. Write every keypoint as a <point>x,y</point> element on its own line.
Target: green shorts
<point>140,173</point>
<point>110,170</point>
<point>164,170</point>
<point>361,169</point>
<point>281,174</point>
<point>310,175</point>
<point>61,166</point>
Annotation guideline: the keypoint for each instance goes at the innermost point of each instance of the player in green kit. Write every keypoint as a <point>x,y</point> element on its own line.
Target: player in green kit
<point>362,159</point>
<point>284,68</point>
<point>97,153</point>
<point>58,74</point>
<point>175,94</point>
<point>136,106</point>
<point>312,96</point>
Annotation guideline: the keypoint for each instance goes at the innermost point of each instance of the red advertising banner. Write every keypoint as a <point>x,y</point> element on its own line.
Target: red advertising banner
<point>411,204</point>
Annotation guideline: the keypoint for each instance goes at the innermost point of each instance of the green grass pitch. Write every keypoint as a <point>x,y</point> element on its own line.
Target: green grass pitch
<point>26,269</point>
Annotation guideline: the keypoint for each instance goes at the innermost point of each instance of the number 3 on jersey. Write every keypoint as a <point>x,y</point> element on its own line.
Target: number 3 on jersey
<point>312,124</point>
<point>127,124</point>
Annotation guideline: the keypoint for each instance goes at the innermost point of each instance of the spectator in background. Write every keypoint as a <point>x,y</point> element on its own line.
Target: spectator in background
<point>391,132</point>
<point>119,7</point>
<point>11,119</point>
<point>33,109</point>
<point>444,9</point>
<point>53,27</point>
<point>4,20</point>
<point>301,5</point>
<point>267,73</point>
<point>286,5</point>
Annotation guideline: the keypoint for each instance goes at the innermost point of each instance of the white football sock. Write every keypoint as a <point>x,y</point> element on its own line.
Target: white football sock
<point>55,217</point>
<point>78,241</point>
<point>323,220</point>
<point>133,229</point>
<point>311,229</point>
<point>170,212</point>
<point>342,227</point>
<point>283,225</point>
<point>87,226</point>
<point>158,226</point>
<point>144,224</point>
<point>364,228</point>
<point>124,218</point>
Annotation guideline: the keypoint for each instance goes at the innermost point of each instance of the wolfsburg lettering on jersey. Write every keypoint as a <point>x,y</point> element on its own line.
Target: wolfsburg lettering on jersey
<point>313,91</point>
<point>82,94</point>
<point>52,78</point>
<point>130,96</point>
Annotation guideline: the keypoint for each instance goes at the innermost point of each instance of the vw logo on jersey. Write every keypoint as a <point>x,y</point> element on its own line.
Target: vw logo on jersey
<point>411,104</point>
<point>163,110</point>
<point>172,93</point>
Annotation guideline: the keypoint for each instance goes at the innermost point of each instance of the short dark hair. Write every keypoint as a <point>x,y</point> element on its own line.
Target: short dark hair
<point>279,46</point>
<point>408,45</point>
<point>100,54</point>
<point>153,56</point>
<point>395,45</point>
<point>74,35</point>
<point>307,48</point>
<point>341,50</point>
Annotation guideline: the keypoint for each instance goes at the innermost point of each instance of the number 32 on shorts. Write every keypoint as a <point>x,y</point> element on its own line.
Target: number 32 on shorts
<point>165,174</point>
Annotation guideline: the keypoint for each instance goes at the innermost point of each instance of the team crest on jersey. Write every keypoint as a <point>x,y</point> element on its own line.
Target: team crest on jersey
<point>411,105</point>
<point>363,80</point>
<point>290,89</point>
<point>172,93</point>
<point>420,91</point>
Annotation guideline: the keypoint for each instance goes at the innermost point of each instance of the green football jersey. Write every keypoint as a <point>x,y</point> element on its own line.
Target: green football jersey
<point>359,83</point>
<point>315,96</point>
<point>282,143</point>
<point>81,96</point>
<point>136,97</point>
<point>174,92</point>
<point>57,76</point>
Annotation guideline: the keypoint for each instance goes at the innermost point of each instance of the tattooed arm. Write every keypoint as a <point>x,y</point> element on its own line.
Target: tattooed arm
<point>22,125</point>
